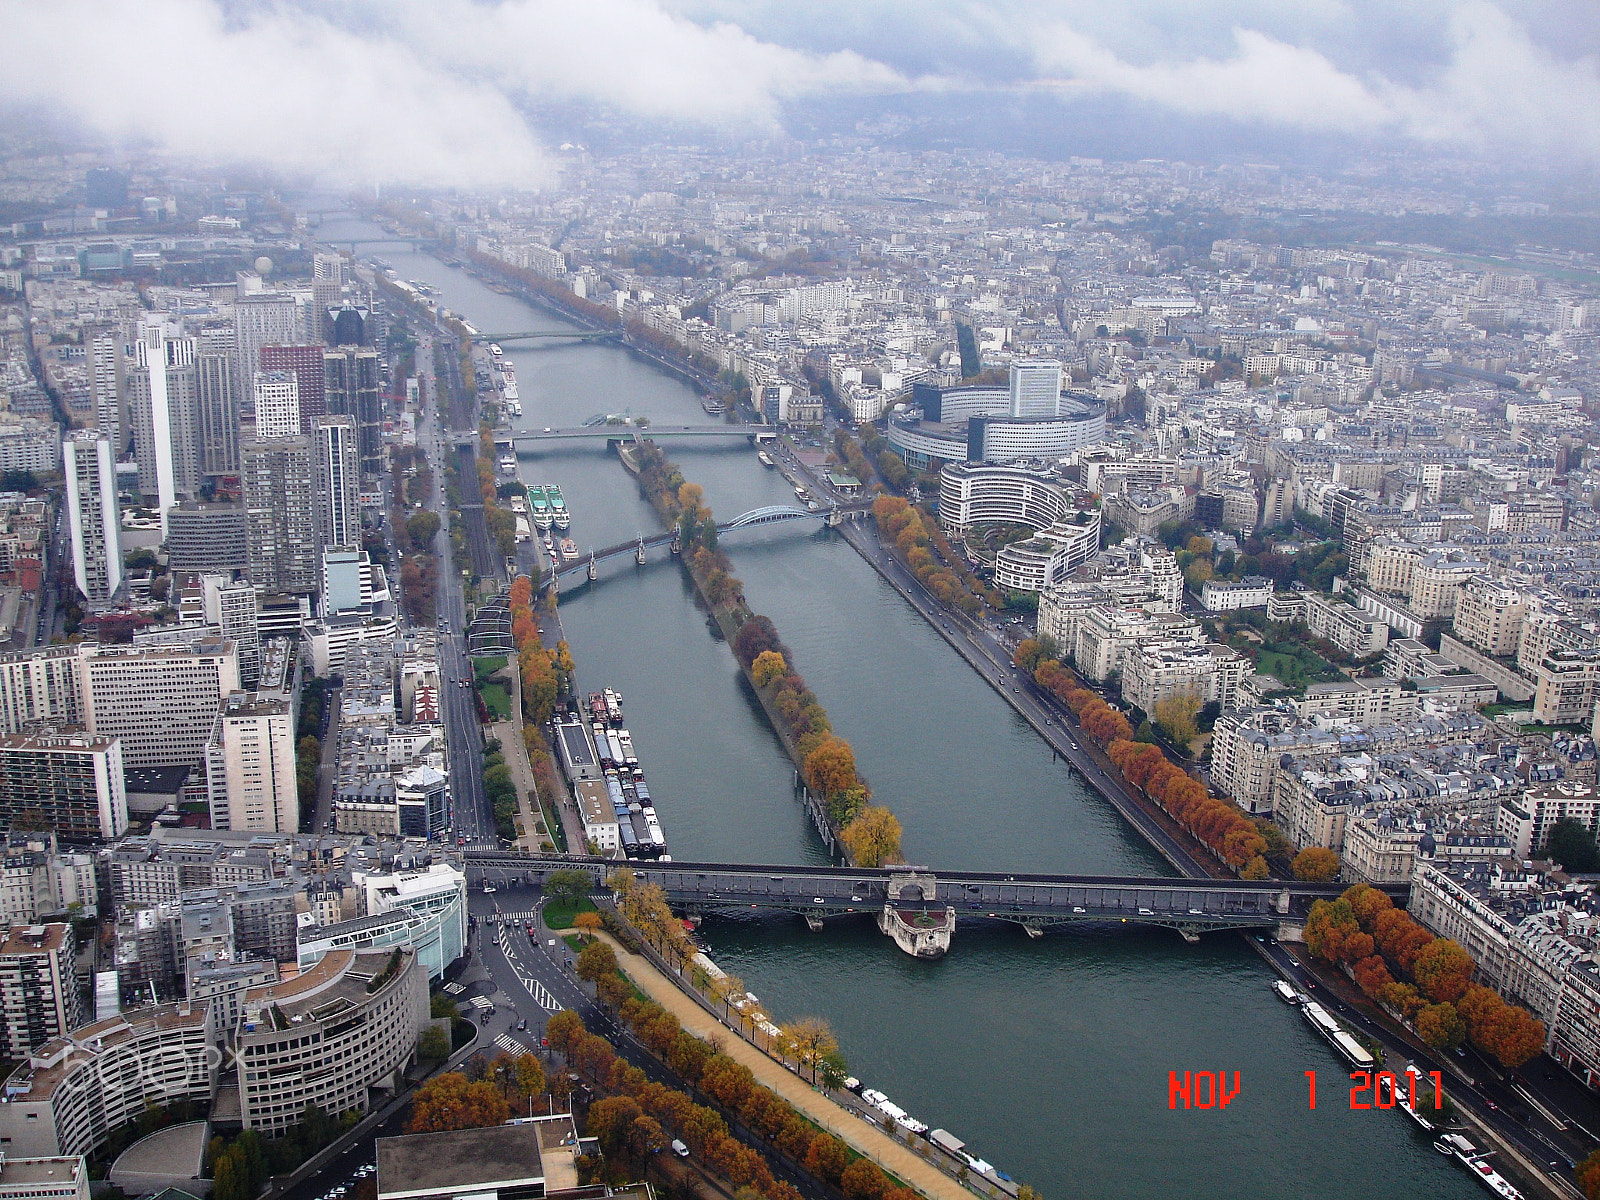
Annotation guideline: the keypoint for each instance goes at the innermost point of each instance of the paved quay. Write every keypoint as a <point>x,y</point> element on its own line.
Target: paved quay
<point>867,1139</point>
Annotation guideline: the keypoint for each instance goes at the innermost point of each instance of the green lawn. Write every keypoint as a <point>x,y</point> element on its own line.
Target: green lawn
<point>484,667</point>
<point>496,699</point>
<point>558,914</point>
<point>1297,669</point>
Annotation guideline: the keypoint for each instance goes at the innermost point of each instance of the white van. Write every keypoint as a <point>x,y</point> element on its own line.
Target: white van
<point>679,1148</point>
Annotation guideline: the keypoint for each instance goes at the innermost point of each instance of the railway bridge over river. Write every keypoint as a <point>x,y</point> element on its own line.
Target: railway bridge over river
<point>919,906</point>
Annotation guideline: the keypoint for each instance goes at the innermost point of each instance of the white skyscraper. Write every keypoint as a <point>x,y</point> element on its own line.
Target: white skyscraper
<point>231,606</point>
<point>1035,388</point>
<point>91,475</point>
<point>250,766</point>
<point>337,471</point>
<point>105,361</point>
<point>166,437</point>
<point>277,404</point>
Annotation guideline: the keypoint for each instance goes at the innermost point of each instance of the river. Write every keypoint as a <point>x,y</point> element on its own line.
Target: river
<point>1050,1058</point>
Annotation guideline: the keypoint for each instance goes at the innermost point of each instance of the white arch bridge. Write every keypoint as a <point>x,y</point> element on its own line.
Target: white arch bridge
<point>772,514</point>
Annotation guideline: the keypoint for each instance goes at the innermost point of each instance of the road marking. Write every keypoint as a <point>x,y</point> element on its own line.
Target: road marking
<point>510,1045</point>
<point>455,989</point>
<point>482,1002</point>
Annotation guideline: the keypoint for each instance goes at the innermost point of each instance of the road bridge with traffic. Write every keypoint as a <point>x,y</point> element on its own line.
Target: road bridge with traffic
<point>633,433</point>
<point>919,895</point>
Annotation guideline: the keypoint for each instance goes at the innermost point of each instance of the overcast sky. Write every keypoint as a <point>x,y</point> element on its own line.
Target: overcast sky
<point>433,91</point>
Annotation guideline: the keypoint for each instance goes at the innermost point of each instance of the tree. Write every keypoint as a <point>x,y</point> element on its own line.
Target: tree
<point>808,1041</point>
<point>451,1102</point>
<point>609,1120</point>
<point>1589,1176</point>
<point>1571,845</point>
<point>530,1075</point>
<point>1440,1026</point>
<point>1315,864</point>
<point>588,923</point>
<point>768,665</point>
<point>873,838</point>
<point>1442,970</point>
<point>434,1044</point>
<point>833,1071</point>
<point>420,528</point>
<point>1176,716</point>
<point>567,885</point>
<point>595,961</point>
<point>826,1158</point>
<point>563,1030</point>
<point>863,1180</point>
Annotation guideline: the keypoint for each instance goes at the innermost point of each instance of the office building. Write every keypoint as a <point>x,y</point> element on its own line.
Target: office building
<point>160,701</point>
<point>229,605</point>
<point>277,396</point>
<point>281,507</point>
<point>425,910</point>
<point>70,783</point>
<point>349,324</point>
<point>352,380</point>
<point>336,476</point>
<point>1035,388</point>
<point>537,1157</point>
<point>250,764</point>
<point>91,477</point>
<point>39,994</point>
<point>211,538</point>
<point>360,1010</point>
<point>74,1091</point>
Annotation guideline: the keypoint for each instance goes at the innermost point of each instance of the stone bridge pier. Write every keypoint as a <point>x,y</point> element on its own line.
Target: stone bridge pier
<point>912,917</point>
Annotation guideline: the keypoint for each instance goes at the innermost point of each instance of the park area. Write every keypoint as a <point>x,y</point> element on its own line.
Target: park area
<point>496,697</point>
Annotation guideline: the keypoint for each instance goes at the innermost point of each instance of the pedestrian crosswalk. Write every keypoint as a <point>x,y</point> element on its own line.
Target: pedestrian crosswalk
<point>510,1045</point>
<point>481,1002</point>
<point>524,918</point>
<point>455,989</point>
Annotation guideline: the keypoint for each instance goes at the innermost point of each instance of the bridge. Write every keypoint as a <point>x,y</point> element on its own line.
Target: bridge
<point>577,335</point>
<point>754,519</point>
<point>628,433</point>
<point>913,904</point>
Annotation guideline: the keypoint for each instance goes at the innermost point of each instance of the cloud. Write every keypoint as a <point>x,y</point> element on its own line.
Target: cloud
<point>1494,88</point>
<point>420,91</point>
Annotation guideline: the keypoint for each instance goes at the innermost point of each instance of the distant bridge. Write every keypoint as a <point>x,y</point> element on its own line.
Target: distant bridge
<point>632,433</point>
<point>755,518</point>
<point>1189,906</point>
<point>580,335</point>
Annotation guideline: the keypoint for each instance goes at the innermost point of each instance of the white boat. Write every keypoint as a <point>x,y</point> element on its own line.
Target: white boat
<point>558,507</point>
<point>508,464</point>
<point>766,459</point>
<point>1284,991</point>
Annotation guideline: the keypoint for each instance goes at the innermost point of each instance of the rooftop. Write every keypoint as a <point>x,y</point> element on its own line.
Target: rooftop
<point>479,1160</point>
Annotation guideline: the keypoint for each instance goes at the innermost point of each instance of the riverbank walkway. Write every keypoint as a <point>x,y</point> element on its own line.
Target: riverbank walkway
<point>866,1139</point>
<point>532,836</point>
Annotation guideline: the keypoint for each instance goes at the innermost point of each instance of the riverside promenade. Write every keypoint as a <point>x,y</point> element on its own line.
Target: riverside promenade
<point>865,1138</point>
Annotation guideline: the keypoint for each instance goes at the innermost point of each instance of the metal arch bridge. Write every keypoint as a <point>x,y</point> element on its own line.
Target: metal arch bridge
<point>1034,901</point>
<point>755,518</point>
<point>577,335</point>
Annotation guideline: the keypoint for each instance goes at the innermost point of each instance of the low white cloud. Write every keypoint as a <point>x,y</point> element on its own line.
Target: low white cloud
<point>423,91</point>
<point>1494,89</point>
<point>278,87</point>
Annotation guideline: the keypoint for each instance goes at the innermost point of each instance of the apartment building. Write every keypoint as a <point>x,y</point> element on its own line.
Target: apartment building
<point>1489,615</point>
<point>70,783</point>
<point>39,994</point>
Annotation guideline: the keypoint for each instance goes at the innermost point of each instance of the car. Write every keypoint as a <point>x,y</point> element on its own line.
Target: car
<point>1259,938</point>
<point>1196,912</point>
<point>818,900</point>
<point>1079,909</point>
<point>1294,962</point>
<point>856,899</point>
<point>1146,912</point>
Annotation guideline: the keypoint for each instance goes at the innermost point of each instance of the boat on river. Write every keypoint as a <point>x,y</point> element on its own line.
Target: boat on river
<point>558,507</point>
<point>541,507</point>
<point>766,459</point>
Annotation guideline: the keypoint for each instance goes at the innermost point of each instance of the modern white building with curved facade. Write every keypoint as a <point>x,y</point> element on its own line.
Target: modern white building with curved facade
<point>337,1036</point>
<point>982,438</point>
<point>425,910</point>
<point>74,1091</point>
<point>976,493</point>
